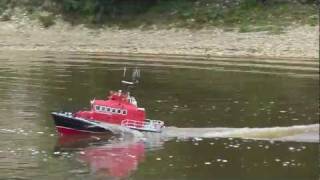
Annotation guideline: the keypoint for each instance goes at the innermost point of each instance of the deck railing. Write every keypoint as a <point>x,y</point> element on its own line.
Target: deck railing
<point>147,125</point>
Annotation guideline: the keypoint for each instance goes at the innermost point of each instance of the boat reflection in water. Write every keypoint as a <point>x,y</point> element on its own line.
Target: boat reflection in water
<point>106,156</point>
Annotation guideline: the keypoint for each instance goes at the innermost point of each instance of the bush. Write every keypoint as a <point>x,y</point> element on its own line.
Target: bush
<point>47,20</point>
<point>6,16</point>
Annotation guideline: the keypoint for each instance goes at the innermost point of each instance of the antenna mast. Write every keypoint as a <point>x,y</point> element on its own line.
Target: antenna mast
<point>134,79</point>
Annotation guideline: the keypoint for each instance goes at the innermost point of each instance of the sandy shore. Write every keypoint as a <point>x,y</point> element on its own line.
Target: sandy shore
<point>297,42</point>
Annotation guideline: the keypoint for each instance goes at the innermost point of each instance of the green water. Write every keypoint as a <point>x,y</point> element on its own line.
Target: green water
<point>32,84</point>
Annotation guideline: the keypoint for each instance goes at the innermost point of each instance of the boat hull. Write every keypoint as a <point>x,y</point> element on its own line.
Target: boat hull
<point>70,125</point>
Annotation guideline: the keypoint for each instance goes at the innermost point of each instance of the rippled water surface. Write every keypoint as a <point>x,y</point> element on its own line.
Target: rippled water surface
<point>201,102</point>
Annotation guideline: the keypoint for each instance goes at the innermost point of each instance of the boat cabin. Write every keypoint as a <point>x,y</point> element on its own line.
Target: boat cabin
<point>117,107</point>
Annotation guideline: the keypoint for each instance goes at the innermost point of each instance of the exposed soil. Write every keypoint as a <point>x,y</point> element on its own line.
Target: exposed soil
<point>300,42</point>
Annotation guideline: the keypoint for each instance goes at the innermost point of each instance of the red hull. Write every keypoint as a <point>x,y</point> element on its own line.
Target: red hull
<point>69,131</point>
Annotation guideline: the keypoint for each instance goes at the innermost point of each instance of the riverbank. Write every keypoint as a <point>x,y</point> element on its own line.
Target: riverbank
<point>294,42</point>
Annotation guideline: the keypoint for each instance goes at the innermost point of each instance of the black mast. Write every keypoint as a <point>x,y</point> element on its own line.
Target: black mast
<point>126,84</point>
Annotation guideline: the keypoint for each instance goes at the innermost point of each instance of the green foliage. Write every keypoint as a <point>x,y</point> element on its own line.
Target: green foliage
<point>5,14</point>
<point>3,5</point>
<point>98,10</point>
<point>47,20</point>
<point>249,4</point>
<point>246,15</point>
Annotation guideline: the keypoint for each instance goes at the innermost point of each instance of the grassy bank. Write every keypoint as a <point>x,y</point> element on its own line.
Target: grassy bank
<point>244,15</point>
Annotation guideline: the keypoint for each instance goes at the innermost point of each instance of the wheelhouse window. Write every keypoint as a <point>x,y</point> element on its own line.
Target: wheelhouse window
<point>124,112</point>
<point>105,109</point>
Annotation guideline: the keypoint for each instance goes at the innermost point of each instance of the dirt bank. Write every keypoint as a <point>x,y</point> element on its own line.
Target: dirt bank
<point>298,42</point>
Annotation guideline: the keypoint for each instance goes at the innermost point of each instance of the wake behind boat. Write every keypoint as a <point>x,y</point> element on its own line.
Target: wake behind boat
<point>118,109</point>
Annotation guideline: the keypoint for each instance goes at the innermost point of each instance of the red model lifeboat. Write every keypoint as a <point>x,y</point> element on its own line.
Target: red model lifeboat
<point>118,109</point>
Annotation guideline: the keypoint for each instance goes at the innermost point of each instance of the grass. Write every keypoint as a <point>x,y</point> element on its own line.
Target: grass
<point>271,29</point>
<point>246,16</point>
<point>260,17</point>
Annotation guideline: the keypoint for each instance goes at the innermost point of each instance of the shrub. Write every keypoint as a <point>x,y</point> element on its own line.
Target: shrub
<point>6,16</point>
<point>47,20</point>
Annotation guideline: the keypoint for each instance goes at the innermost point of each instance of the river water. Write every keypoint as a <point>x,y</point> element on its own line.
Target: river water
<point>225,121</point>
